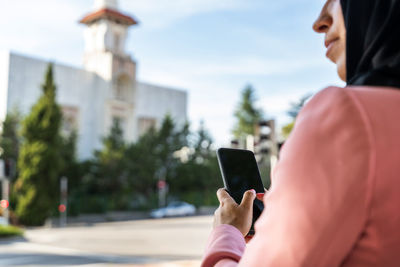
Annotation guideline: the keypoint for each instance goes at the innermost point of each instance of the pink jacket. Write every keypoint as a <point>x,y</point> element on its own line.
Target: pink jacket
<point>335,195</point>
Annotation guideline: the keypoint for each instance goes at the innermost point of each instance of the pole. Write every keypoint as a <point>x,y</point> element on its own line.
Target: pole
<point>250,143</point>
<point>5,191</point>
<point>62,208</point>
<point>162,187</point>
<point>5,196</point>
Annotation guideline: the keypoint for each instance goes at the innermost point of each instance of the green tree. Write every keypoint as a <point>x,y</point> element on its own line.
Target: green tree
<point>198,179</point>
<point>72,168</point>
<point>152,158</point>
<point>293,112</point>
<point>246,114</point>
<point>287,129</point>
<point>295,107</point>
<point>10,139</point>
<point>170,140</point>
<point>111,176</point>
<point>40,161</point>
<point>202,144</point>
<point>100,184</point>
<point>144,162</point>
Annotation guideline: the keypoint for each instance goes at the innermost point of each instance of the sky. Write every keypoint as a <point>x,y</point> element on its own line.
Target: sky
<point>210,48</point>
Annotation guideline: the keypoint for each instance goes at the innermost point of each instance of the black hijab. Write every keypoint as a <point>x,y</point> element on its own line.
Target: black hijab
<point>373,42</point>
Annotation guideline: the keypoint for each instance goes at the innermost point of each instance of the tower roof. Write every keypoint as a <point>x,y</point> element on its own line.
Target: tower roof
<point>110,14</point>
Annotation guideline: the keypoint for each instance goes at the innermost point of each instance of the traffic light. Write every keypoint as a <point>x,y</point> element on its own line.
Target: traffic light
<point>9,168</point>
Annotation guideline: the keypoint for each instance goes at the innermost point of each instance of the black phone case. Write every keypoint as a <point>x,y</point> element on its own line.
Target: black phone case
<point>257,203</point>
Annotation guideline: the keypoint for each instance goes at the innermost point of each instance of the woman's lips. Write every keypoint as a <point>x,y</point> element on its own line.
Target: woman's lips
<point>329,45</point>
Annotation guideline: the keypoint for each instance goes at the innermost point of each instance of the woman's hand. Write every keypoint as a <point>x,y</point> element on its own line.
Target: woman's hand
<point>229,212</point>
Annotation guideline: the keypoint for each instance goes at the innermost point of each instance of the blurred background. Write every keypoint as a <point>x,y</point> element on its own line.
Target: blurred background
<point>111,113</point>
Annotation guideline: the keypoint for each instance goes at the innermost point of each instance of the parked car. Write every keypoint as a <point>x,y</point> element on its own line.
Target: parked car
<point>176,208</point>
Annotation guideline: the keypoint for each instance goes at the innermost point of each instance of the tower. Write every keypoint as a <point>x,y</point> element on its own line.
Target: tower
<point>105,55</point>
<point>105,38</point>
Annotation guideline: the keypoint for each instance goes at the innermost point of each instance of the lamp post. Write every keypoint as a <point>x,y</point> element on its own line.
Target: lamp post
<point>62,208</point>
<point>5,192</point>
<point>162,187</point>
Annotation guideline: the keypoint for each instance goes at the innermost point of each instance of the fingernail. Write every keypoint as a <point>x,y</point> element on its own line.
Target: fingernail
<point>253,191</point>
<point>260,195</point>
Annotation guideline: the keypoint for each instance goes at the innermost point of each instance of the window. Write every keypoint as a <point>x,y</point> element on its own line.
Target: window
<point>117,41</point>
<point>121,88</point>
<point>70,120</point>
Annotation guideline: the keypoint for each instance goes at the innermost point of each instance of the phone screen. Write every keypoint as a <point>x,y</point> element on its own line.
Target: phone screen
<point>240,173</point>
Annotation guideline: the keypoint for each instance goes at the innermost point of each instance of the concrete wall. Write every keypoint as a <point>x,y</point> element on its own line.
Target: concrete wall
<point>76,88</point>
<point>156,102</point>
<point>90,95</point>
<point>4,67</point>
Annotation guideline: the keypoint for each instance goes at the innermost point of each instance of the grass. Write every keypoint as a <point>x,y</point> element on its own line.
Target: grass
<point>8,231</point>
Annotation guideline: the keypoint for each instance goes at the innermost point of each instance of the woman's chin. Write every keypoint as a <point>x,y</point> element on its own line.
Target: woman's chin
<point>342,76</point>
<point>341,69</point>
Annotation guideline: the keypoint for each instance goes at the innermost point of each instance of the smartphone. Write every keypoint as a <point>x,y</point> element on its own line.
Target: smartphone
<point>240,173</point>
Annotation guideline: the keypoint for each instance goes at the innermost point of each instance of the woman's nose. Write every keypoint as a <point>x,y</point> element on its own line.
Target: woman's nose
<point>323,23</point>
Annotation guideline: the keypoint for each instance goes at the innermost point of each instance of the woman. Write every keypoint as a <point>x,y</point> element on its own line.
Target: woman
<point>335,197</point>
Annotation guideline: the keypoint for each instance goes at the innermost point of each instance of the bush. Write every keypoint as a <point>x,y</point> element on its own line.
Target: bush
<point>83,203</point>
<point>8,231</point>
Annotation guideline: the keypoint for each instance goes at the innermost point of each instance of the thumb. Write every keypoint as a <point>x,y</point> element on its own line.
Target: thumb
<point>248,198</point>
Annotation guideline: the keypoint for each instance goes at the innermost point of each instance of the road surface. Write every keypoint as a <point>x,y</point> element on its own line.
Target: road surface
<point>162,242</point>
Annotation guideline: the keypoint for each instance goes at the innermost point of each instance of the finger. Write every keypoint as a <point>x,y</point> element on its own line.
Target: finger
<point>260,196</point>
<point>223,196</point>
<point>248,198</point>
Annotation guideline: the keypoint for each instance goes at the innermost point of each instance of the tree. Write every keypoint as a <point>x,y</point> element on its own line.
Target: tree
<point>287,129</point>
<point>71,166</point>
<point>10,140</point>
<point>297,106</point>
<point>144,163</point>
<point>246,114</point>
<point>198,179</point>
<point>293,112</point>
<point>202,144</point>
<point>110,173</point>
<point>40,161</point>
<point>170,140</point>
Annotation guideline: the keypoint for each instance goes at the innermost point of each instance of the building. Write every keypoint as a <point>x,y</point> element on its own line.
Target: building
<point>104,91</point>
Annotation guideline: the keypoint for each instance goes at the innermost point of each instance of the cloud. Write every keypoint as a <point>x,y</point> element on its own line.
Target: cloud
<point>256,66</point>
<point>159,14</point>
<point>49,29</point>
<point>185,73</point>
<point>45,28</point>
<point>163,13</point>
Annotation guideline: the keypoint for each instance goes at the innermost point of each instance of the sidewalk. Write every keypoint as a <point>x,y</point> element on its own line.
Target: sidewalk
<point>115,216</point>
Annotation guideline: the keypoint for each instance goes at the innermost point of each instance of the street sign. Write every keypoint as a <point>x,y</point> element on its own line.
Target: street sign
<point>161,184</point>
<point>62,208</point>
<point>4,203</point>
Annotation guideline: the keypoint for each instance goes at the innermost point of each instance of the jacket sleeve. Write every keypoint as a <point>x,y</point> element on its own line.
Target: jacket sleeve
<point>318,202</point>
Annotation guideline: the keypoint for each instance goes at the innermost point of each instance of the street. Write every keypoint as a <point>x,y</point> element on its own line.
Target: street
<point>162,242</point>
